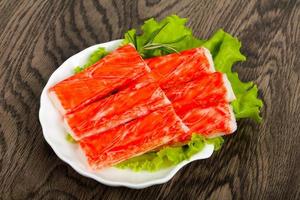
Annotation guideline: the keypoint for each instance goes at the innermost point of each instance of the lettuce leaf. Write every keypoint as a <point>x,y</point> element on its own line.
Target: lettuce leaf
<point>162,37</point>
<point>226,51</point>
<point>93,58</point>
<point>70,139</point>
<point>169,156</point>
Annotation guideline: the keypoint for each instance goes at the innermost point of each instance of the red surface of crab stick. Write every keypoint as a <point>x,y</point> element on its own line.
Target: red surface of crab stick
<point>199,95</point>
<point>104,77</point>
<point>134,138</point>
<point>205,91</point>
<point>139,99</point>
<point>210,121</point>
<point>176,68</point>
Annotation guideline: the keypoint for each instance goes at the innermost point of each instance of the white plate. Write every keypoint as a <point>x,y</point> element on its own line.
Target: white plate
<point>55,134</point>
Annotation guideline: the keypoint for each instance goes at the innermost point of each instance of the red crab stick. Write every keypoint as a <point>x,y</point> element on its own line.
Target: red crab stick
<point>132,139</point>
<point>203,105</point>
<point>139,99</point>
<point>205,91</point>
<point>210,122</point>
<point>196,91</point>
<point>172,69</point>
<point>104,77</point>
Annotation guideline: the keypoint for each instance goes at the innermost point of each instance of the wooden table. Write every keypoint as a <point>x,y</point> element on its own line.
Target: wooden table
<point>260,161</point>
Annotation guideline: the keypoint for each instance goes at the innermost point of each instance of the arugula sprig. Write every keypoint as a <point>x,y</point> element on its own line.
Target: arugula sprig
<point>160,38</point>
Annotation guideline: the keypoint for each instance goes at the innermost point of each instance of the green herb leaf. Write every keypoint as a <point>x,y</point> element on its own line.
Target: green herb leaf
<point>169,156</point>
<point>217,142</point>
<point>171,30</point>
<point>130,37</point>
<point>154,34</point>
<point>70,139</point>
<point>93,58</point>
<point>77,69</point>
<point>226,51</point>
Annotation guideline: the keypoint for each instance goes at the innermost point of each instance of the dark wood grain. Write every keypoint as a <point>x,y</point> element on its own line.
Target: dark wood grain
<point>261,161</point>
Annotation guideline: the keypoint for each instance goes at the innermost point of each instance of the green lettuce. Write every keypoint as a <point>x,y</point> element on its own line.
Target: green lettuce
<point>169,156</point>
<point>93,58</point>
<point>159,38</point>
<point>226,51</point>
<point>70,139</point>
